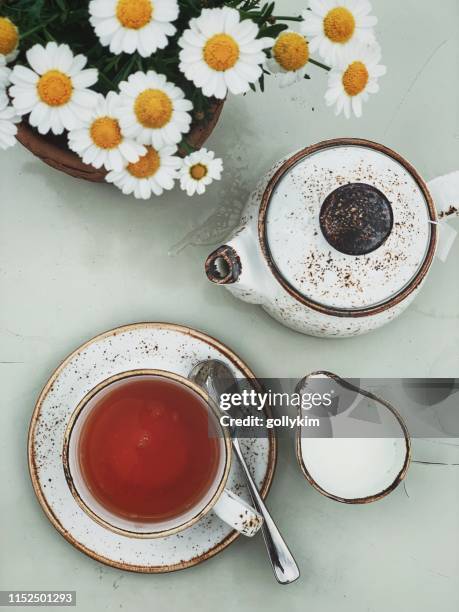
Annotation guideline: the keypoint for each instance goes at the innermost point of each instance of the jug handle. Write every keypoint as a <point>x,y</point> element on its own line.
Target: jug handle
<point>223,266</point>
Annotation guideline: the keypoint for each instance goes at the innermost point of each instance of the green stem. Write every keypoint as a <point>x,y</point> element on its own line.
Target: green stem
<point>41,26</point>
<point>319,64</point>
<point>107,81</point>
<point>48,35</point>
<point>186,147</point>
<point>286,18</point>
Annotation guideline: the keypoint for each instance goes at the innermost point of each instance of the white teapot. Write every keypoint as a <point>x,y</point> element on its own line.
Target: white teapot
<point>337,239</point>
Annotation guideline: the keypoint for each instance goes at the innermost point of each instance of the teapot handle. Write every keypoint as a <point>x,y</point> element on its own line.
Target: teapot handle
<point>445,192</point>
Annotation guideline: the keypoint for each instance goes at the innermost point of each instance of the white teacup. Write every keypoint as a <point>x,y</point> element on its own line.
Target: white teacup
<point>224,503</point>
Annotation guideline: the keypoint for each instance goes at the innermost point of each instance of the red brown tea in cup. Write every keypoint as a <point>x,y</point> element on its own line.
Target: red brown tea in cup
<point>148,449</point>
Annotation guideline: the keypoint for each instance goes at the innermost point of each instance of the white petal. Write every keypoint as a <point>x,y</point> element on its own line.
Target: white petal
<point>85,78</point>
<point>24,74</point>
<point>64,59</point>
<point>235,83</point>
<point>38,59</point>
<point>108,27</point>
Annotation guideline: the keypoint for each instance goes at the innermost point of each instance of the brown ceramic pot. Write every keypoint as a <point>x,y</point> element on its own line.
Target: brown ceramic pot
<point>53,150</point>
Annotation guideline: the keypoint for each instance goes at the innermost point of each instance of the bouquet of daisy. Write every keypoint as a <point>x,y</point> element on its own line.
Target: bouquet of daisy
<point>125,81</point>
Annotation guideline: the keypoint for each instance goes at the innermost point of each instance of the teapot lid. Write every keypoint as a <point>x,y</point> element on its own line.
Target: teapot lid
<point>348,225</point>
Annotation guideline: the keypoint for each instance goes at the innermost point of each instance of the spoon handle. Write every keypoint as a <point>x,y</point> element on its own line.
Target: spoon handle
<point>282,561</point>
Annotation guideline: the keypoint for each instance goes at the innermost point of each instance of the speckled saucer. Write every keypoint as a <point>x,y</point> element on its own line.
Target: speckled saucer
<point>142,345</point>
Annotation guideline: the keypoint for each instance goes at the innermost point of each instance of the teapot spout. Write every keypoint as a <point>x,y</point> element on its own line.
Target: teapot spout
<point>236,265</point>
<point>223,266</point>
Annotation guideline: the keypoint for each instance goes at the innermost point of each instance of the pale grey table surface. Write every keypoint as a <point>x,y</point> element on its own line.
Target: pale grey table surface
<point>77,259</point>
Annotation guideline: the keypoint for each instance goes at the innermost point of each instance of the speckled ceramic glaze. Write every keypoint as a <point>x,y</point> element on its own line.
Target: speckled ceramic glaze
<point>157,346</point>
<point>286,254</point>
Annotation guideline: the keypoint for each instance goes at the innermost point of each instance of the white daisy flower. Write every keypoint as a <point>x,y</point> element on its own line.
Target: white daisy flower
<point>290,57</point>
<point>134,25</point>
<point>152,110</point>
<point>55,91</point>
<point>9,39</point>
<point>100,142</point>
<point>152,174</point>
<point>331,25</point>
<point>8,128</point>
<point>5,73</point>
<point>355,77</point>
<point>200,169</point>
<point>220,52</point>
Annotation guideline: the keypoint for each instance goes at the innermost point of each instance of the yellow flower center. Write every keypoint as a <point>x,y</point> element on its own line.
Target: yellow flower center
<point>198,171</point>
<point>355,79</point>
<point>106,133</point>
<point>221,52</point>
<point>55,88</point>
<point>153,108</point>
<point>147,165</point>
<point>291,51</point>
<point>339,25</point>
<point>134,14</point>
<point>9,36</point>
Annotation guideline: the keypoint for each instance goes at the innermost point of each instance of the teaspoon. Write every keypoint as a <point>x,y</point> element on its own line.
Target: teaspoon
<point>216,378</point>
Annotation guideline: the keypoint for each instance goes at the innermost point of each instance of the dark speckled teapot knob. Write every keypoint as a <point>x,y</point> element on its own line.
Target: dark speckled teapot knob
<point>356,219</point>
